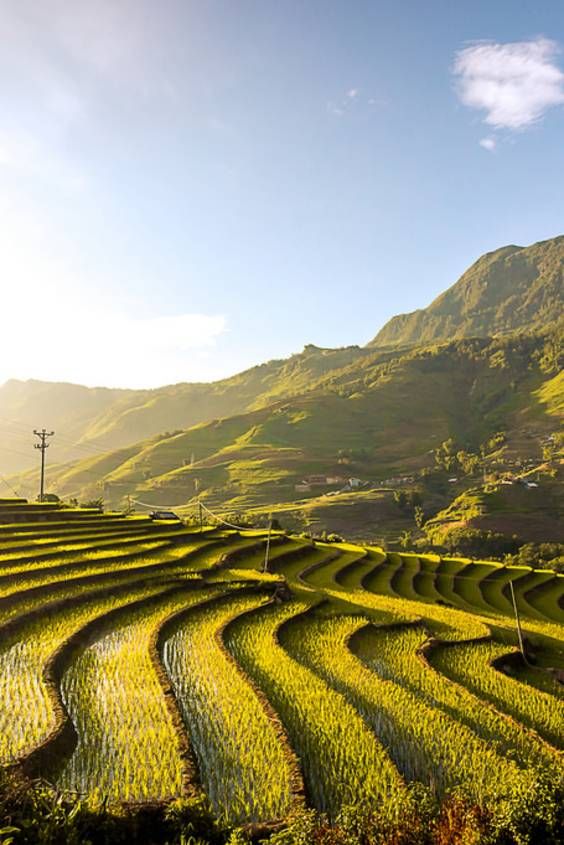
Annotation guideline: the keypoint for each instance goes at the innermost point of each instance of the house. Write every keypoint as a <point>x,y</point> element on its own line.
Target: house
<point>354,483</point>
<point>316,480</point>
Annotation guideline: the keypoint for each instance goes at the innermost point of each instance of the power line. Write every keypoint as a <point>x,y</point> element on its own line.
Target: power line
<point>9,486</point>
<point>20,429</point>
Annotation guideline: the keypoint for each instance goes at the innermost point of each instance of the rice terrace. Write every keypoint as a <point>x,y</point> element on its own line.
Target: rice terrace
<point>144,661</point>
<point>281,422</point>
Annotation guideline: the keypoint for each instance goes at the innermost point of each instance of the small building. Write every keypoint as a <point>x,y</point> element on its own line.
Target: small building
<point>315,480</point>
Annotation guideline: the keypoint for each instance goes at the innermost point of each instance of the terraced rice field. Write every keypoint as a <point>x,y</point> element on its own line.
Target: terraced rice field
<point>142,661</point>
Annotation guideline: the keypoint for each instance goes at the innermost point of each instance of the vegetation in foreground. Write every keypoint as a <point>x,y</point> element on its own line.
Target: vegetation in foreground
<point>384,689</point>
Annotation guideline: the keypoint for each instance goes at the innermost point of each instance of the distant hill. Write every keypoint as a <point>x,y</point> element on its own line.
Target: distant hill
<point>88,421</point>
<point>378,416</point>
<point>512,289</point>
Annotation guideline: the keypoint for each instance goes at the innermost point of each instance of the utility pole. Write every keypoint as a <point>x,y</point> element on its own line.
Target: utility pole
<point>518,622</point>
<point>268,543</point>
<point>201,514</point>
<point>43,435</point>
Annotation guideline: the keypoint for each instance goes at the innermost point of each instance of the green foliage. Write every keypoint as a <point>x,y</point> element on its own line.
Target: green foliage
<point>510,289</point>
<point>391,749</point>
<point>94,504</point>
<point>474,542</point>
<point>419,516</point>
<point>539,555</point>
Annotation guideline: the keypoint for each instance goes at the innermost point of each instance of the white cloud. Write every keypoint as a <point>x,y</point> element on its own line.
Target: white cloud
<point>488,143</point>
<point>352,93</point>
<point>514,83</point>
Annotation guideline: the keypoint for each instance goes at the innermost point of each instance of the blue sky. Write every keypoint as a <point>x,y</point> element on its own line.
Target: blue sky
<point>189,188</point>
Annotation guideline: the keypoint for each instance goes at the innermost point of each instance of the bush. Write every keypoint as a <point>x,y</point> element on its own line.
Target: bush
<point>472,542</point>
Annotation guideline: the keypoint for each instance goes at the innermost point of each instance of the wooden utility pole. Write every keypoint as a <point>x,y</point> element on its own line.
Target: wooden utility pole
<point>267,552</point>
<point>43,445</point>
<point>518,622</point>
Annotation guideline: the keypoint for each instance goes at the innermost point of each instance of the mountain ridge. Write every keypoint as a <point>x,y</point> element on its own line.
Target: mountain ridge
<point>93,421</point>
<point>509,289</point>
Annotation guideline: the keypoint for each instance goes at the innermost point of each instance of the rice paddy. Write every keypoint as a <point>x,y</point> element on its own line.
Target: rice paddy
<point>340,675</point>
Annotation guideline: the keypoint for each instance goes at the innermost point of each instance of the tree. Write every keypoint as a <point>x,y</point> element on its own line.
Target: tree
<point>419,516</point>
<point>405,539</point>
<point>400,498</point>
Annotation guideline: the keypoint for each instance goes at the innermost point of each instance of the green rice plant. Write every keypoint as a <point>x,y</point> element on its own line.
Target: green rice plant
<point>92,564</point>
<point>341,759</point>
<point>493,587</point>
<point>88,553</point>
<point>311,559</point>
<point>26,713</point>
<point>426,743</point>
<point>424,581</point>
<point>546,597</point>
<point>326,573</point>
<point>128,747</point>
<point>40,595</point>
<point>395,654</point>
<point>352,574</point>
<point>242,761</point>
<point>401,581</point>
<point>449,623</point>
<point>379,580</point>
<point>254,559</point>
<point>447,570</point>
<point>470,664</point>
<point>44,543</point>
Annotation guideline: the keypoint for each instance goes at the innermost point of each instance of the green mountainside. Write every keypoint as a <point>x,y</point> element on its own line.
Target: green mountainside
<point>379,418</point>
<point>513,288</point>
<point>329,436</point>
<point>90,420</point>
<point>507,289</point>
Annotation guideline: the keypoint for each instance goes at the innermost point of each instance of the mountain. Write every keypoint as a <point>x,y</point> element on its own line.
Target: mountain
<point>511,289</point>
<point>88,421</point>
<point>379,416</point>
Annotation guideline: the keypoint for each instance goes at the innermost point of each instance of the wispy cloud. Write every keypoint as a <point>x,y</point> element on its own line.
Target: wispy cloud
<point>353,99</point>
<point>514,84</point>
<point>488,143</point>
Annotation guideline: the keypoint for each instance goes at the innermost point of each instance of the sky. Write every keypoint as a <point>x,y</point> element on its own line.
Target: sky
<point>189,188</point>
